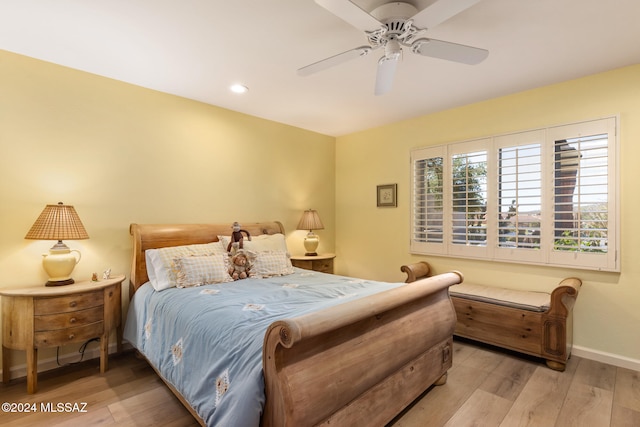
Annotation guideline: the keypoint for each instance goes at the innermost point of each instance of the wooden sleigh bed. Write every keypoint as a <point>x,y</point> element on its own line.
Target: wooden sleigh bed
<point>357,363</point>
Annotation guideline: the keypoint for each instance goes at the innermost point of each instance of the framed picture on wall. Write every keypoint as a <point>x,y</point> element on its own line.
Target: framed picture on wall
<point>386,195</point>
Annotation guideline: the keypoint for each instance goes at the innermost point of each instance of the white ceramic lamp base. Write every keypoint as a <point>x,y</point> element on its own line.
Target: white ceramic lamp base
<point>59,264</point>
<point>311,243</point>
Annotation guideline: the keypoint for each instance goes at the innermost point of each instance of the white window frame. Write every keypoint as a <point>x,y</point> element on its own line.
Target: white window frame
<point>543,252</point>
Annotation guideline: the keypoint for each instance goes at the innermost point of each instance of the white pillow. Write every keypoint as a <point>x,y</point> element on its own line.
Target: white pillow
<point>160,261</point>
<point>273,263</point>
<point>198,270</point>
<point>260,243</point>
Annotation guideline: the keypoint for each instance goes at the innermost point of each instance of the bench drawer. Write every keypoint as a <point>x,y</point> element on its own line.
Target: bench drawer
<point>506,327</point>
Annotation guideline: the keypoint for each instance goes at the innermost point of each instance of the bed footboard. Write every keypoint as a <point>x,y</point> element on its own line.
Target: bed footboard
<point>363,360</point>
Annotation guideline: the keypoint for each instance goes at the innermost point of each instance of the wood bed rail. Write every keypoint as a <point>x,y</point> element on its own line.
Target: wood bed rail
<point>395,343</point>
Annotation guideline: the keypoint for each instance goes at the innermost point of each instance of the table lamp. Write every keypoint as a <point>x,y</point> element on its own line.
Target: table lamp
<point>59,222</point>
<point>311,221</point>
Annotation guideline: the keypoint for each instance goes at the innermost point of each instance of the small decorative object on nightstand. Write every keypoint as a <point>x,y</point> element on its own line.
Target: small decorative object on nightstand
<point>38,317</point>
<point>322,263</point>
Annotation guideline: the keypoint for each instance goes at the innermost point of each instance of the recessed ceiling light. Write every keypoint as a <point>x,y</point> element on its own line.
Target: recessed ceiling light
<point>238,88</point>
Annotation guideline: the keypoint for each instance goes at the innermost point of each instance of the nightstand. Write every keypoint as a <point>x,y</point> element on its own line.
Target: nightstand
<point>322,262</point>
<point>39,316</point>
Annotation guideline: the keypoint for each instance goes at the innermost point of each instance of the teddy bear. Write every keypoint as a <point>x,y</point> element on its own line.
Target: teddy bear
<point>237,237</point>
<point>240,267</point>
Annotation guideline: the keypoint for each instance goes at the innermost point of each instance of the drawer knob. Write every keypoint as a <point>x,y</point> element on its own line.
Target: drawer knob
<point>73,303</point>
<point>73,320</point>
<point>71,336</point>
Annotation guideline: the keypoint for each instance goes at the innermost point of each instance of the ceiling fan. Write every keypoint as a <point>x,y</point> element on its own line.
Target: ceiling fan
<point>392,26</point>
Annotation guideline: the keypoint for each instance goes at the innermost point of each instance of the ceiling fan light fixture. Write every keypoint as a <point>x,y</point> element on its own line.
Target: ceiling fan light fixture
<point>392,49</point>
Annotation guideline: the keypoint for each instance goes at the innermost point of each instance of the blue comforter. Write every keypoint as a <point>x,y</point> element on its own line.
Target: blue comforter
<point>207,341</point>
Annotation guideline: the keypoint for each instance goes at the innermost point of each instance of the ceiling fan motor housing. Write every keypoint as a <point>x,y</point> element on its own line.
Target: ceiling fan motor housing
<point>395,17</point>
<point>394,10</point>
<point>396,26</point>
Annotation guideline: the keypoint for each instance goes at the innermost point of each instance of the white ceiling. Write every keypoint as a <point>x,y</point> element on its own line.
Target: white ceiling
<point>198,48</point>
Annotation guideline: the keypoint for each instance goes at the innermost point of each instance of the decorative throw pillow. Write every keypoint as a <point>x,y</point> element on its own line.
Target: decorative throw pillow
<point>272,263</point>
<point>260,243</point>
<point>160,261</point>
<point>198,270</point>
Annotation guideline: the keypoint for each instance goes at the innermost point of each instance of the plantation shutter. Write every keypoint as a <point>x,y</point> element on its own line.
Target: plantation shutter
<point>584,195</point>
<point>467,204</point>
<point>520,196</point>
<point>427,200</point>
<point>547,196</point>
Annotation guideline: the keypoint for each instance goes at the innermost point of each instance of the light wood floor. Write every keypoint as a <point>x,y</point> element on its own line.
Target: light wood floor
<point>486,387</point>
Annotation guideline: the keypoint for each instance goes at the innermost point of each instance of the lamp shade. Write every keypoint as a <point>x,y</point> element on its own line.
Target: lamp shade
<point>310,221</point>
<point>58,222</point>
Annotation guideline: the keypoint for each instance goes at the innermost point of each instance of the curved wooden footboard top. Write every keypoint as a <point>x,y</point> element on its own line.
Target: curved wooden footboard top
<point>363,360</point>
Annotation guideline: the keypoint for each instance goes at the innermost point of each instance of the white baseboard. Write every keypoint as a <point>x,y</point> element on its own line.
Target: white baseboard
<point>20,371</point>
<point>609,358</point>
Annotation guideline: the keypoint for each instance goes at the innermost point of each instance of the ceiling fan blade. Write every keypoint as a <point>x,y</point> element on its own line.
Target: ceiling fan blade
<point>449,51</point>
<point>334,60</point>
<point>440,11</point>
<point>386,72</point>
<point>351,13</point>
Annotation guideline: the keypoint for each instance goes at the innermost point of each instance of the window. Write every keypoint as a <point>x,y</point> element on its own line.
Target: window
<point>546,196</point>
<point>428,206</point>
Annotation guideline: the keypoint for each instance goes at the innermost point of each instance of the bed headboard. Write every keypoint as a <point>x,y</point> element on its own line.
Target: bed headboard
<point>152,236</point>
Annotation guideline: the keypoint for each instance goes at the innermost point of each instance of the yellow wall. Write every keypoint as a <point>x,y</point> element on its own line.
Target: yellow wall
<point>122,154</point>
<point>374,242</point>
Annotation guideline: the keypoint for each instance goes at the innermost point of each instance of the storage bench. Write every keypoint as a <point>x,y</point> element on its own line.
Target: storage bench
<point>535,323</point>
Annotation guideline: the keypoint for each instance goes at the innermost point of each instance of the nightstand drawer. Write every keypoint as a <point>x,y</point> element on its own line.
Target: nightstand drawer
<point>64,304</point>
<point>322,263</point>
<point>68,335</point>
<point>323,266</point>
<point>72,319</point>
